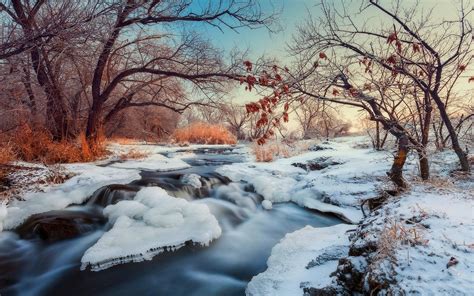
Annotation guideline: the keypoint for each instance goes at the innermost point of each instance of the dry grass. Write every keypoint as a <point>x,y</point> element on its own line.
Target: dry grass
<point>57,175</point>
<point>6,153</point>
<point>37,145</point>
<point>133,154</point>
<point>270,151</point>
<point>203,133</point>
<point>122,141</point>
<point>395,234</point>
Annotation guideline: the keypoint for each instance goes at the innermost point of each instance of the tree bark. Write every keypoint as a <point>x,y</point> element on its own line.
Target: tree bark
<point>425,133</point>
<point>424,164</point>
<point>396,172</point>
<point>56,112</point>
<point>462,156</point>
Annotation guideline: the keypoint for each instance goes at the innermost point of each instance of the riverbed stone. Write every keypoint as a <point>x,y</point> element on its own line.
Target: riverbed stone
<point>59,225</point>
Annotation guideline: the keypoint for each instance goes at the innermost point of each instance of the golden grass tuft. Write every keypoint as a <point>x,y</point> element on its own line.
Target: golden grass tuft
<point>37,145</point>
<point>6,154</point>
<point>204,133</point>
<point>271,151</point>
<point>395,234</point>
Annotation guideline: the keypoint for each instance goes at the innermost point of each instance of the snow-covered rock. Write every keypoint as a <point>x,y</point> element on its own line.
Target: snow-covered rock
<point>267,205</point>
<point>305,257</point>
<point>192,179</point>
<point>150,224</point>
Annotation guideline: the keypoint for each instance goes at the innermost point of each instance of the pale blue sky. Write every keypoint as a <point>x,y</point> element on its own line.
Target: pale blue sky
<point>294,12</point>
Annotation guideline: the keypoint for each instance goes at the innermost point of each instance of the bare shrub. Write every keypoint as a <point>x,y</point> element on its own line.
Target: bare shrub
<point>203,133</point>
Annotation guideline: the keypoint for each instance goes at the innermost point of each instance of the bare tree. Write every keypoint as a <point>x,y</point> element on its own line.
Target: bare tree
<point>39,30</point>
<point>161,55</point>
<point>432,59</point>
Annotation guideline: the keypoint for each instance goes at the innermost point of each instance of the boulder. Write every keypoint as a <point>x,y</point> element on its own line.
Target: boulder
<point>59,225</point>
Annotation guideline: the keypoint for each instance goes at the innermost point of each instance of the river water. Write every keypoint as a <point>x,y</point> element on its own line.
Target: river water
<point>37,265</point>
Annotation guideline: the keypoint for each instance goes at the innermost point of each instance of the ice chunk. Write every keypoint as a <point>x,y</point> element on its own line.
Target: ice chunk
<point>147,226</point>
<point>192,179</point>
<point>129,208</point>
<point>267,205</point>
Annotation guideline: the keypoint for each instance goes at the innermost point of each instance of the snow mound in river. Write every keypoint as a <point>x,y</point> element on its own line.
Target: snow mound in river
<point>192,179</point>
<point>148,225</point>
<point>305,257</point>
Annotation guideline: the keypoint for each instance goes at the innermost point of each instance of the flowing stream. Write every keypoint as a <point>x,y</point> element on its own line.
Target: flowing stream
<point>33,261</point>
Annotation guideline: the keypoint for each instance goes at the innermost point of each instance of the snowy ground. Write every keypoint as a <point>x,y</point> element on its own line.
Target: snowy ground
<point>429,226</point>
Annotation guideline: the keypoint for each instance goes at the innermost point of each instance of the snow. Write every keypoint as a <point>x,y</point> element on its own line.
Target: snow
<point>267,205</point>
<point>336,189</point>
<point>192,179</point>
<point>290,264</point>
<point>443,211</point>
<point>446,230</point>
<point>147,226</point>
<point>155,162</point>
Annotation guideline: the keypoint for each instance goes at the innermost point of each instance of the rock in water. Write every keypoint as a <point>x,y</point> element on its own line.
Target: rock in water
<point>59,225</point>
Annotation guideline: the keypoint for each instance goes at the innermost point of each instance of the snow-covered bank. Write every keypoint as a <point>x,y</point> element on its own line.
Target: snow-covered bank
<point>421,243</point>
<point>147,225</point>
<point>418,243</point>
<point>305,257</point>
<point>352,175</point>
